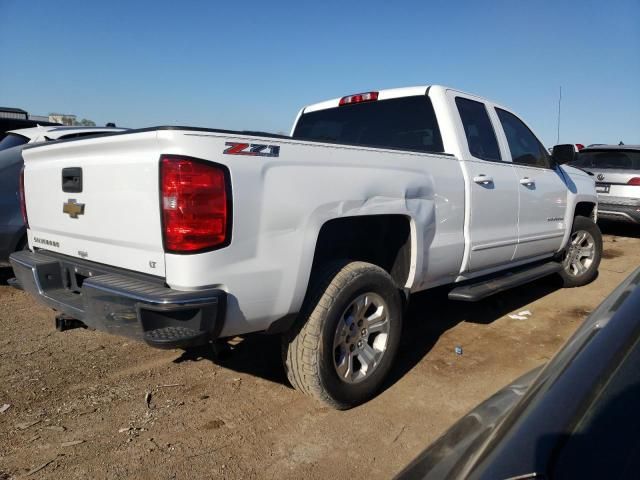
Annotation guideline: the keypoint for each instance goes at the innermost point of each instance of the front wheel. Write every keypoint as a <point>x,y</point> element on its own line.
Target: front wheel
<point>347,336</point>
<point>582,256</point>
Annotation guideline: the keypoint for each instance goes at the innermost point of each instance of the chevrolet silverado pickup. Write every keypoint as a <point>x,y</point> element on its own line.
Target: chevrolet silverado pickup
<point>182,236</point>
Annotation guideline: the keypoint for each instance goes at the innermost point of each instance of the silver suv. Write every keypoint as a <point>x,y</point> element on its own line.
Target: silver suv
<point>616,169</point>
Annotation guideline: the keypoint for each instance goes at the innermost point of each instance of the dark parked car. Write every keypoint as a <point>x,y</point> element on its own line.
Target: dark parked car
<point>576,418</point>
<point>13,235</point>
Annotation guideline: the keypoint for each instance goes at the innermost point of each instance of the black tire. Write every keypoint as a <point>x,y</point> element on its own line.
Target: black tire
<point>570,276</point>
<point>309,348</point>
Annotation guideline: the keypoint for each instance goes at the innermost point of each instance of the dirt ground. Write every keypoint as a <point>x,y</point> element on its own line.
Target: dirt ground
<point>85,404</point>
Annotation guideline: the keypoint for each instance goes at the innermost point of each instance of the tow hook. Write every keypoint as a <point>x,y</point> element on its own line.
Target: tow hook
<point>65,322</point>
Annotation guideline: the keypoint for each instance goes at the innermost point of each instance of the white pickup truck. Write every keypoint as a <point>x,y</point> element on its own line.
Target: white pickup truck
<point>181,236</point>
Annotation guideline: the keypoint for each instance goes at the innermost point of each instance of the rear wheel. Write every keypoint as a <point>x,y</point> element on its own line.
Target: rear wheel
<point>582,256</point>
<point>348,335</point>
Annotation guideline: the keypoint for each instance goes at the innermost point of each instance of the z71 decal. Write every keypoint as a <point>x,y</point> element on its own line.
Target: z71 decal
<point>252,149</point>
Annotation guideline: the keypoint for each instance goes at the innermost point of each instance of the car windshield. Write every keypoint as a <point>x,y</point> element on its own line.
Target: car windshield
<point>12,140</point>
<point>615,159</point>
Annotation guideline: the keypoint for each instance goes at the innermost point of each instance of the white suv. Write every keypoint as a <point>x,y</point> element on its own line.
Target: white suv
<point>37,134</point>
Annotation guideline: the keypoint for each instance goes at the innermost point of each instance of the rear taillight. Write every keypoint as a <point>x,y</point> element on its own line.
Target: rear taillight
<point>579,146</point>
<point>359,98</point>
<point>196,204</point>
<point>23,203</point>
<point>634,181</point>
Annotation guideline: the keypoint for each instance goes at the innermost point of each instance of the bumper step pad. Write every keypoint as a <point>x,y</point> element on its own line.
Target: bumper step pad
<point>175,337</point>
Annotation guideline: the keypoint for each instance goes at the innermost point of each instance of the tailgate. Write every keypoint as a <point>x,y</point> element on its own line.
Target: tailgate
<point>615,183</point>
<point>114,218</point>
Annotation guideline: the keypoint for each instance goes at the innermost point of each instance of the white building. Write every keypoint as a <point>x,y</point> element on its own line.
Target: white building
<point>39,118</point>
<point>63,118</point>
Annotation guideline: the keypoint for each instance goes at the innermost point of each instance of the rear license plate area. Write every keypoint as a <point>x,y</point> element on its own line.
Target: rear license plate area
<point>602,187</point>
<point>74,276</point>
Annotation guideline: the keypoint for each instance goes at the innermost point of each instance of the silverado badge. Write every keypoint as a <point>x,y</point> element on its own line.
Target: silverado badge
<point>73,208</point>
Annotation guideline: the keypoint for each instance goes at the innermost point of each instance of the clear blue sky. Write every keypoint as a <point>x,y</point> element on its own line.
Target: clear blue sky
<point>252,65</point>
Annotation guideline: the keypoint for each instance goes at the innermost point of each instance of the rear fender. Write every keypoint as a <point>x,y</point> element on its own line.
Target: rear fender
<point>418,207</point>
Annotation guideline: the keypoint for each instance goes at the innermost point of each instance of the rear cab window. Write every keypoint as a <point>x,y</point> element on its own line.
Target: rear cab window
<point>405,123</point>
<point>12,140</point>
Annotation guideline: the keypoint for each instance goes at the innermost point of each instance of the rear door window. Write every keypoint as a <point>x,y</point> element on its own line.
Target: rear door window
<point>407,123</point>
<point>478,129</point>
<point>525,148</point>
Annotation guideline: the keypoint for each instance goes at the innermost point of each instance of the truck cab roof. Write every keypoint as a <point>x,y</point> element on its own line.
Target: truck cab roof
<point>387,94</point>
<point>612,147</point>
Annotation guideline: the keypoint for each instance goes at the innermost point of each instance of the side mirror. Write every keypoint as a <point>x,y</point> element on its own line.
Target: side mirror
<point>562,154</point>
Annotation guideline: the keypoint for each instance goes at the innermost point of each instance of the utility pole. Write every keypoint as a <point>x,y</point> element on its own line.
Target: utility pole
<point>559,104</point>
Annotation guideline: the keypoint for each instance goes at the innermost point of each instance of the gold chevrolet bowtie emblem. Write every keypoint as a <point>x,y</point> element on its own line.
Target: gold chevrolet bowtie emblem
<point>73,208</point>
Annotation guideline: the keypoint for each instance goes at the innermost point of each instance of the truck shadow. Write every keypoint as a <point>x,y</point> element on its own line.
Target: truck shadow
<point>255,354</point>
<point>5,274</point>
<point>430,314</point>
<point>619,229</point>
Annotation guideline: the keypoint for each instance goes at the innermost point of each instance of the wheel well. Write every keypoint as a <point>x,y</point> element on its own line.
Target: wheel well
<point>384,240</point>
<point>584,209</point>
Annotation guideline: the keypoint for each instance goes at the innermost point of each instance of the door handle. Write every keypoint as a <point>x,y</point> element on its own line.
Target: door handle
<point>482,178</point>
<point>527,182</point>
